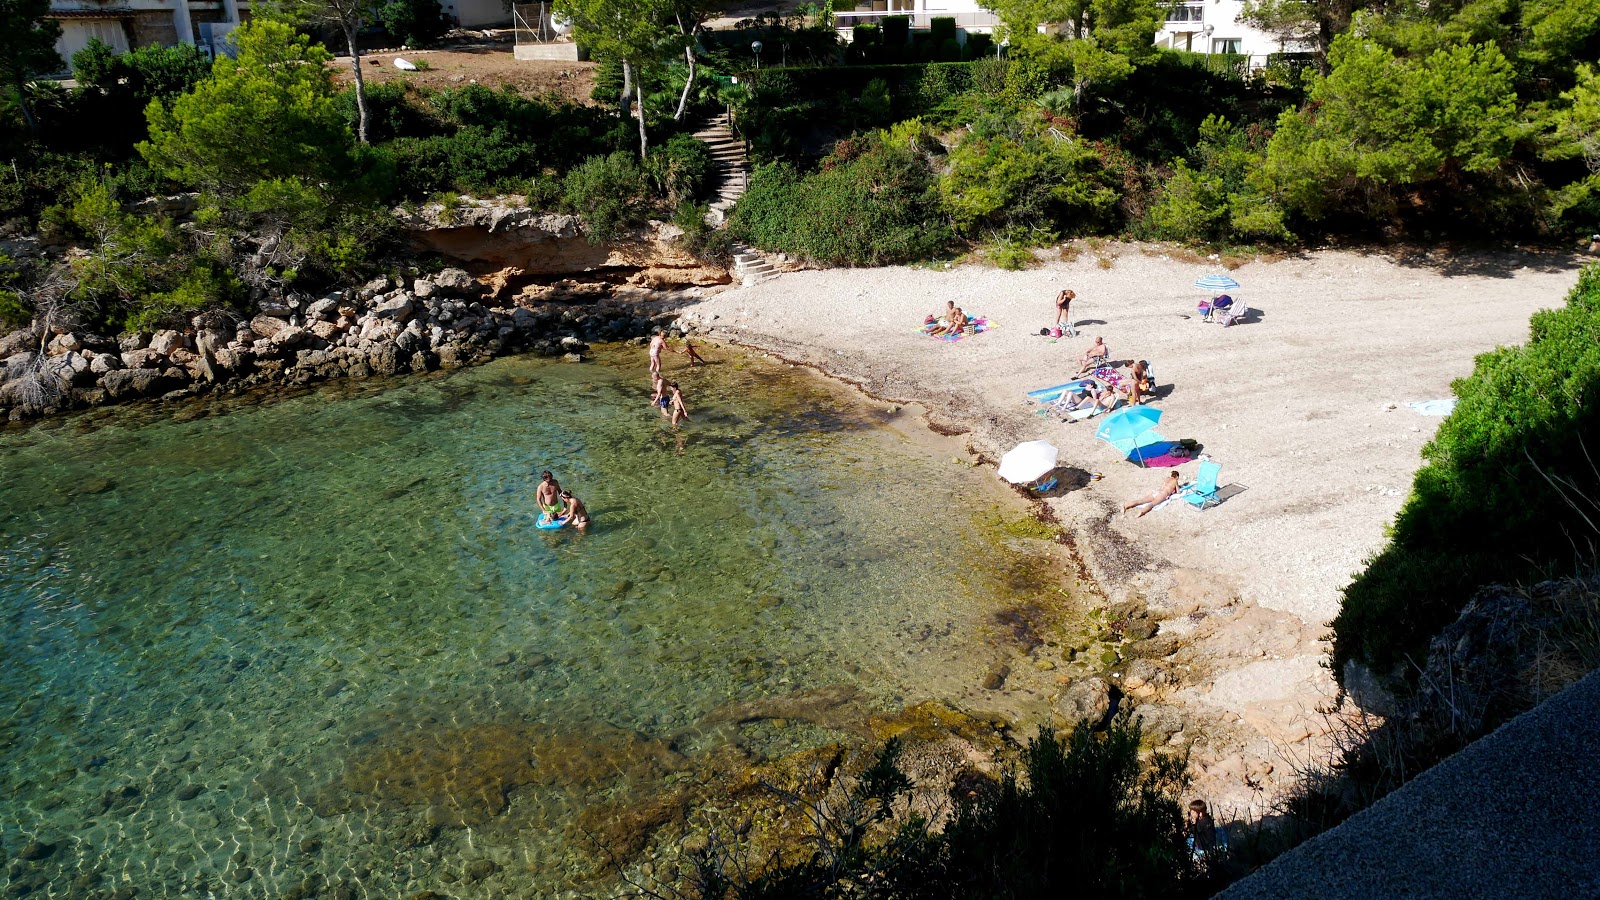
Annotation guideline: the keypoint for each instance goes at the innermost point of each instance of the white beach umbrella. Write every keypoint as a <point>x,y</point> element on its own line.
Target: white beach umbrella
<point>1026,462</point>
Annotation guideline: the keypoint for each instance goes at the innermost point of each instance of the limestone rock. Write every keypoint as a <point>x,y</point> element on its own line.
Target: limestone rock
<point>18,341</point>
<point>129,341</point>
<point>1159,722</point>
<point>103,363</point>
<point>167,341</point>
<point>396,309</point>
<point>1088,700</point>
<point>424,287</point>
<point>327,308</point>
<point>142,359</point>
<point>267,326</point>
<point>125,383</point>
<point>323,329</point>
<point>457,283</point>
<point>64,343</point>
<point>275,310</point>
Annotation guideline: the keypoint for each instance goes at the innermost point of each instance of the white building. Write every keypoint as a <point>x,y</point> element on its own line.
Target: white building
<point>128,24</point>
<point>970,16</point>
<point>1213,26</point>
<point>1200,26</point>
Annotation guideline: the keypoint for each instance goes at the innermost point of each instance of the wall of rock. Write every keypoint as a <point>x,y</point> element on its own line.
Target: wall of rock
<point>385,327</point>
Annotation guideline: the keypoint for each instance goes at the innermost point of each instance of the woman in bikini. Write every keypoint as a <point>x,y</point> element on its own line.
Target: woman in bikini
<point>574,511</point>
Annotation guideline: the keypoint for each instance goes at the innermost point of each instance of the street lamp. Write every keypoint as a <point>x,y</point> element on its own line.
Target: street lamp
<point>755,47</point>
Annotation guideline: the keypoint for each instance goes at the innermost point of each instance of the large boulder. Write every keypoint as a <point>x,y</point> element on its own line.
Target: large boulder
<point>129,341</point>
<point>397,308</point>
<point>327,308</point>
<point>457,283</point>
<point>424,287</point>
<point>168,341</point>
<point>18,341</point>
<point>103,363</point>
<point>128,383</point>
<point>63,344</point>
<point>142,359</point>
<point>275,310</point>
<point>267,326</point>
<point>1086,700</point>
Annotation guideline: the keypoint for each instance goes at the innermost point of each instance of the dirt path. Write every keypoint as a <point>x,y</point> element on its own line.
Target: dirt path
<point>1304,405</point>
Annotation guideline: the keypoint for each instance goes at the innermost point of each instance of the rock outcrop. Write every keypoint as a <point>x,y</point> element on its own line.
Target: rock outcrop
<point>382,328</point>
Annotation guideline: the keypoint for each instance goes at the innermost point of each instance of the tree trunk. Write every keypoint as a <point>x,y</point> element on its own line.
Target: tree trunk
<point>627,87</point>
<point>688,85</point>
<point>350,29</point>
<point>644,140</point>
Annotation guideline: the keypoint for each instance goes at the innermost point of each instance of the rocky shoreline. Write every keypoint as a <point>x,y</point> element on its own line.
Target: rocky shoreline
<point>386,327</point>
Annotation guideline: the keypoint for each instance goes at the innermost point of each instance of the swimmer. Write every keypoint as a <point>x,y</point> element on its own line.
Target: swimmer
<point>574,511</point>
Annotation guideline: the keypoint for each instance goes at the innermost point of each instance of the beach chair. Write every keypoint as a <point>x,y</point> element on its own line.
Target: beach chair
<point>1202,492</point>
<point>1232,314</point>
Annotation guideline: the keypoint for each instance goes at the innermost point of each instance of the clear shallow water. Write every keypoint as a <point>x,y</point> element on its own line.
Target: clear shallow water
<point>317,645</point>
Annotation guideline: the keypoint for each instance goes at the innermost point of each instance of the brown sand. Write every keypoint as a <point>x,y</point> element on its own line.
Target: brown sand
<point>1304,404</point>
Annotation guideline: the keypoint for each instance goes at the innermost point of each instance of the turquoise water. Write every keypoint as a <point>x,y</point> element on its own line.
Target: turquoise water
<point>315,647</point>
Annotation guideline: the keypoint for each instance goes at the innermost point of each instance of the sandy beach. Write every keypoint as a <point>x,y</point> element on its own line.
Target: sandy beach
<point>1304,405</point>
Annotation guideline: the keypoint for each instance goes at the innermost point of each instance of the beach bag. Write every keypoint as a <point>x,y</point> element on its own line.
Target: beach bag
<point>930,320</point>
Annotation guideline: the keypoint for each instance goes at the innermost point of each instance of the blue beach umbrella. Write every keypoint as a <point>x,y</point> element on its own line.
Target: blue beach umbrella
<point>1131,430</point>
<point>1217,284</point>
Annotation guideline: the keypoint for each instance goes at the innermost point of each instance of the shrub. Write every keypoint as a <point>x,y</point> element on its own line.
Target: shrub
<point>680,169</point>
<point>1218,203</point>
<point>1505,494</point>
<point>610,192</point>
<point>873,203</point>
<point>1033,177</point>
<point>941,29</point>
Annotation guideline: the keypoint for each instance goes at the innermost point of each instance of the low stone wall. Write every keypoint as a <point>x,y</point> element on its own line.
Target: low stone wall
<point>382,328</point>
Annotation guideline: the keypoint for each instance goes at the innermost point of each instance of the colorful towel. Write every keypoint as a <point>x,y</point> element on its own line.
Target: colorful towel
<point>935,330</point>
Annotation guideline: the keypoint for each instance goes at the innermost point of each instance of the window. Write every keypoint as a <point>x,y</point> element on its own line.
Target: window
<point>1186,14</point>
<point>1225,45</point>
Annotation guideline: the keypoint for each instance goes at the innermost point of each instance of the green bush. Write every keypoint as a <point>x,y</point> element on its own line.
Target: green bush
<point>681,169</point>
<point>610,192</point>
<point>1030,176</point>
<point>1218,202</point>
<point>941,29</point>
<point>872,203</point>
<point>1505,496</point>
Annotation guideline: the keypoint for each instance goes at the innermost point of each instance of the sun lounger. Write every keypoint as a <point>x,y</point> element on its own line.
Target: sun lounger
<point>1078,415</point>
<point>1045,395</point>
<point>1202,492</point>
<point>1232,314</point>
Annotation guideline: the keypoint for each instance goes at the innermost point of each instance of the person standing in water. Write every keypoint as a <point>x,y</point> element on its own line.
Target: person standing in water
<point>689,351</point>
<point>548,496</point>
<point>672,405</point>
<point>574,511</point>
<point>658,342</point>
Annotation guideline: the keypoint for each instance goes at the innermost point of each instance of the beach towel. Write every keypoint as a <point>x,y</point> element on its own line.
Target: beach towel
<point>1045,395</point>
<point>1434,407</point>
<point>935,329</point>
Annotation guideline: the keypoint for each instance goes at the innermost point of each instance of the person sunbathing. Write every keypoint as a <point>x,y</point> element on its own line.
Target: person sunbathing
<point>1097,354</point>
<point>1155,498</point>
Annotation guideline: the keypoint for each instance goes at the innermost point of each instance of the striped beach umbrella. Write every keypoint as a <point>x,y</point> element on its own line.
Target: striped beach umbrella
<point>1216,284</point>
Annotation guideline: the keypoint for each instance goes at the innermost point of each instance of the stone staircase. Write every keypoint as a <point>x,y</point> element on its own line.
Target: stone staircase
<point>750,266</point>
<point>733,167</point>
